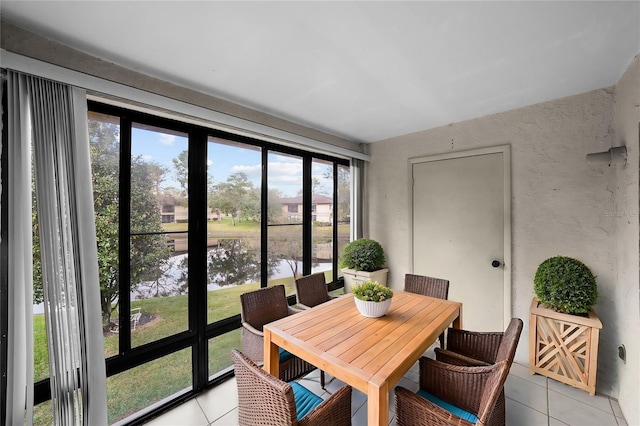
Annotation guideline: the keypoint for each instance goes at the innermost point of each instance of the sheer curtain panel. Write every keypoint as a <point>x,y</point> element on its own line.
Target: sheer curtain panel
<point>19,404</point>
<point>53,120</point>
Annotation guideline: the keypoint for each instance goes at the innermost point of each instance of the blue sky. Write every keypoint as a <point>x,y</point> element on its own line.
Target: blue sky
<point>285,172</point>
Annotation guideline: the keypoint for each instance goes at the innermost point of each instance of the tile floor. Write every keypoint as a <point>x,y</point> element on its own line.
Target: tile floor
<point>531,401</point>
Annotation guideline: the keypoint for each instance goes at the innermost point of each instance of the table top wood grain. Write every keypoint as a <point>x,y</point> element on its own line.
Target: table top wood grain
<point>370,354</point>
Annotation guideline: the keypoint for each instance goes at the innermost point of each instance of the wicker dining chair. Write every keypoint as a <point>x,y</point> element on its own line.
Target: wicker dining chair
<point>311,290</point>
<point>451,395</point>
<point>264,399</point>
<point>260,307</point>
<point>471,348</point>
<point>428,286</point>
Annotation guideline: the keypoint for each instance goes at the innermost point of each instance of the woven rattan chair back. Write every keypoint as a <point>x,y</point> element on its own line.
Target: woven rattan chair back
<point>427,286</point>
<point>509,343</point>
<point>260,307</point>
<point>311,290</point>
<point>265,400</point>
<point>261,395</point>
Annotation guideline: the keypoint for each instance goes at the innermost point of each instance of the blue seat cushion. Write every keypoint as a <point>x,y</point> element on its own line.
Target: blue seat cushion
<point>283,355</point>
<point>470,417</point>
<point>305,399</point>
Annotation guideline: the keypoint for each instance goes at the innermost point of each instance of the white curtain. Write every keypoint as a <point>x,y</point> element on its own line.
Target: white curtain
<point>52,118</point>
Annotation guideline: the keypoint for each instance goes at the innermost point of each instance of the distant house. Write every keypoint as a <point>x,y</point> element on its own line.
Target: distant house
<point>172,212</point>
<point>321,208</point>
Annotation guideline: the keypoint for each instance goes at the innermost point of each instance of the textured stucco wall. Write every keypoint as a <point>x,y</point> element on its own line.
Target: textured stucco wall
<point>627,295</point>
<point>560,204</point>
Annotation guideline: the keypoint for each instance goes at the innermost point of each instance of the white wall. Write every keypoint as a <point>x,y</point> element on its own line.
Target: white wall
<point>627,295</point>
<point>560,204</point>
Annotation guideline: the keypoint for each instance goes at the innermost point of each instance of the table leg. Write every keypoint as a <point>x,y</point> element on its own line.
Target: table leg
<point>378,405</point>
<point>271,358</point>
<point>457,323</point>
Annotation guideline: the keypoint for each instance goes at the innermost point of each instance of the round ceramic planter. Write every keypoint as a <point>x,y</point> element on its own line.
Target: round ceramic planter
<point>372,309</point>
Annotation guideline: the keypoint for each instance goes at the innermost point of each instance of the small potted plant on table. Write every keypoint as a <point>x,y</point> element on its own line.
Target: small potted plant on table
<point>372,299</point>
<point>563,327</point>
<point>363,260</point>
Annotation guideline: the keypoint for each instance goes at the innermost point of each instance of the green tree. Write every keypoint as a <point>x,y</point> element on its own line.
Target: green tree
<point>149,252</point>
<point>234,197</point>
<point>181,164</point>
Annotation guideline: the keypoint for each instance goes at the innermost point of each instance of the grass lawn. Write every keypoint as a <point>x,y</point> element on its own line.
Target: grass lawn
<point>135,389</point>
<point>140,387</point>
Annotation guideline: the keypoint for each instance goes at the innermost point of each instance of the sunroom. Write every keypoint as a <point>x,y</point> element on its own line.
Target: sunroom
<point>305,126</point>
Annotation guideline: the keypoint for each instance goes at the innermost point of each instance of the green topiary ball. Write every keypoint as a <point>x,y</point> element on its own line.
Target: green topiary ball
<point>565,285</point>
<point>363,255</point>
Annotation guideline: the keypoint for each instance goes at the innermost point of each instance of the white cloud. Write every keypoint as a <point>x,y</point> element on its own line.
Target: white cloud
<point>167,139</point>
<point>248,170</point>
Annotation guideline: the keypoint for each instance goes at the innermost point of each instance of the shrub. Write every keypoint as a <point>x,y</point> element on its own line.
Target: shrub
<point>363,255</point>
<point>565,285</point>
<point>372,291</point>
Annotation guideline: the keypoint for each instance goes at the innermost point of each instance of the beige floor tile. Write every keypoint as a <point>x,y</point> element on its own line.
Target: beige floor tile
<point>229,419</point>
<point>187,414</point>
<point>527,393</point>
<point>218,401</point>
<point>599,401</point>
<point>522,371</point>
<point>556,422</point>
<point>577,413</point>
<point>520,415</point>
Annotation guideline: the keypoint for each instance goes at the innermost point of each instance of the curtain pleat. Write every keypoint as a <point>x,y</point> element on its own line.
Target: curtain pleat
<point>20,265</point>
<point>69,255</point>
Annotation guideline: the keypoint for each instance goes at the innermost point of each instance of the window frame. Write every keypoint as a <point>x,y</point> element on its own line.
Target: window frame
<point>199,332</point>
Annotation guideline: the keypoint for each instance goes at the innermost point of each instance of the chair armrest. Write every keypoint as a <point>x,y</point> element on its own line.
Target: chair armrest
<point>455,358</point>
<point>453,383</point>
<point>334,411</point>
<point>479,345</point>
<point>252,343</point>
<point>414,410</point>
<point>293,310</point>
<point>252,330</point>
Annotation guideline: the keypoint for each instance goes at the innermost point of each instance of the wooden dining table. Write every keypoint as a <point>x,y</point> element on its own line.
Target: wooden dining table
<point>370,354</point>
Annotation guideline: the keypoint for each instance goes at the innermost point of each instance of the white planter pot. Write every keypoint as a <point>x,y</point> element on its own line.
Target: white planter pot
<point>353,278</point>
<point>372,309</point>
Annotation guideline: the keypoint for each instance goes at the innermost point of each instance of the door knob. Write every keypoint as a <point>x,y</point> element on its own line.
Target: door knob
<point>496,263</point>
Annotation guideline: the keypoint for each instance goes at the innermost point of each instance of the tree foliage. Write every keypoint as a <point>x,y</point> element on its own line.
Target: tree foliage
<point>181,164</point>
<point>237,197</point>
<point>148,253</point>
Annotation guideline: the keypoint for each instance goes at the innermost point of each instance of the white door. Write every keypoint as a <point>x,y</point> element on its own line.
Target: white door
<point>461,217</point>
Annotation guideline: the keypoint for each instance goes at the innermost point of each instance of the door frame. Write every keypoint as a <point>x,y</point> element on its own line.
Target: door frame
<point>506,157</point>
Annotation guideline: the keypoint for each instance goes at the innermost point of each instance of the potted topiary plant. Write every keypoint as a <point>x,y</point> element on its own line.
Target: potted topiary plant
<point>363,260</point>
<point>563,327</point>
<point>372,299</point>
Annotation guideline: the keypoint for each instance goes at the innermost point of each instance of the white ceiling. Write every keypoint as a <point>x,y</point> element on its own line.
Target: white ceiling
<point>365,71</point>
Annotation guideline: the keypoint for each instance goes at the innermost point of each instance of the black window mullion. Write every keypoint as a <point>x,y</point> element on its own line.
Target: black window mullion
<point>264,220</point>
<point>307,214</point>
<point>124,281</point>
<point>197,249</point>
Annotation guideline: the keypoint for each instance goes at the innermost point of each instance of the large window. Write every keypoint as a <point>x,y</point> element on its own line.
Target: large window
<point>187,219</point>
